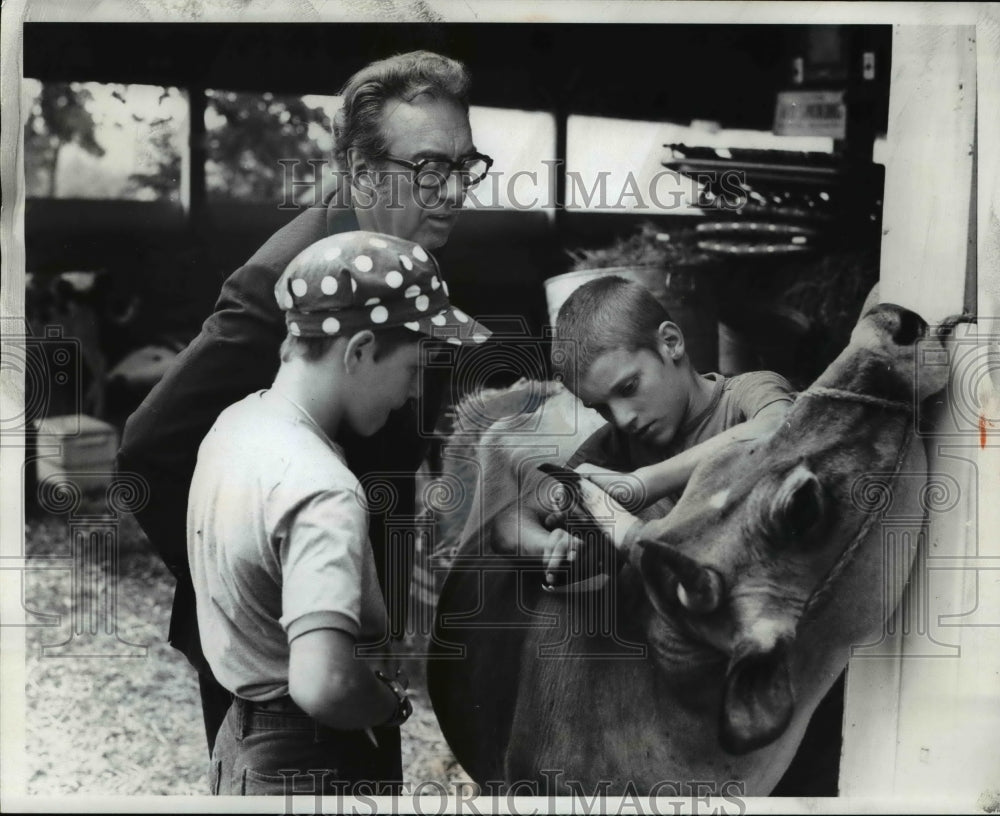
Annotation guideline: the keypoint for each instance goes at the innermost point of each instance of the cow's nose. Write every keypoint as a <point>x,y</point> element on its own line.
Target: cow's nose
<point>903,326</point>
<point>910,329</point>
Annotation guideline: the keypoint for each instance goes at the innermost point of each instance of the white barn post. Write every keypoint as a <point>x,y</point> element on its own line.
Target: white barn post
<point>922,714</point>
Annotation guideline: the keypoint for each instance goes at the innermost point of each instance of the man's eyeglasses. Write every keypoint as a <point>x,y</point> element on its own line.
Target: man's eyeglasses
<point>432,173</point>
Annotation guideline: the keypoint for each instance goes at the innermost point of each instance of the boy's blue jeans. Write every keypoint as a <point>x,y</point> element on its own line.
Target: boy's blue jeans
<point>276,749</point>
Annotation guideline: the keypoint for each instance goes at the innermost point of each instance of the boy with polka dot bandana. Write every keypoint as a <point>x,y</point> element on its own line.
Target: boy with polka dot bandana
<point>284,575</point>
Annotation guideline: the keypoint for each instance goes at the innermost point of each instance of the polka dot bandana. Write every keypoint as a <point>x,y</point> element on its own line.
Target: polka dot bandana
<point>365,280</point>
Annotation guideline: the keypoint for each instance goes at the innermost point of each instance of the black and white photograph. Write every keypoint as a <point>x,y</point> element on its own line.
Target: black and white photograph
<point>426,406</point>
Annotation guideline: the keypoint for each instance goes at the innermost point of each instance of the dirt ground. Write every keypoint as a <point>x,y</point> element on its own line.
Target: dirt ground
<point>131,725</point>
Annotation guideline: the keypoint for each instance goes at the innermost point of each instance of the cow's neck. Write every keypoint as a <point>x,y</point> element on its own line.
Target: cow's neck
<point>637,735</point>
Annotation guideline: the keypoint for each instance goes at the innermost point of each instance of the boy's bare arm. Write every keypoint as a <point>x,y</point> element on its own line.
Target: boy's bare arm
<point>671,475</point>
<point>333,686</point>
<point>520,530</point>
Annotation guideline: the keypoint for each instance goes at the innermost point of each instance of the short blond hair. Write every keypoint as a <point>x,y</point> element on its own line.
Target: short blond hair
<point>602,315</point>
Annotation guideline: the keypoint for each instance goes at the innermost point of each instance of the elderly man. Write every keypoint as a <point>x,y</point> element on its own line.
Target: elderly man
<point>406,158</point>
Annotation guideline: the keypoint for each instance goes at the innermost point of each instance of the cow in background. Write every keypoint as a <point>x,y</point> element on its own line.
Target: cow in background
<point>731,618</point>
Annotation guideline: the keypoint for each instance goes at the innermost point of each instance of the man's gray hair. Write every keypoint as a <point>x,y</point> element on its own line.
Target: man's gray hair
<point>358,123</point>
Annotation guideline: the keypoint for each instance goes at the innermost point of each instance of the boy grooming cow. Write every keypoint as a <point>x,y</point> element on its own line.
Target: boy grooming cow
<point>618,351</point>
<point>748,597</point>
<point>284,574</point>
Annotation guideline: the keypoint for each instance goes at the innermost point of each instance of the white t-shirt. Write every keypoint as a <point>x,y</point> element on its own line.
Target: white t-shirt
<point>277,537</point>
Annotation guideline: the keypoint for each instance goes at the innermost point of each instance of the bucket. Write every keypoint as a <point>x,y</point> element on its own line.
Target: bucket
<point>684,291</point>
<point>83,452</point>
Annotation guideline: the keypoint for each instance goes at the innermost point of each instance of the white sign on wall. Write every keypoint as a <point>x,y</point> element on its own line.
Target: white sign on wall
<point>810,113</point>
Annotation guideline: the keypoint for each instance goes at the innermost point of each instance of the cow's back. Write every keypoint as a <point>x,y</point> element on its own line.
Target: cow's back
<point>485,607</point>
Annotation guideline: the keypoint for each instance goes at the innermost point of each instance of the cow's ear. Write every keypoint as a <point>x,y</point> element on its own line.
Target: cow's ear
<point>797,505</point>
<point>758,702</point>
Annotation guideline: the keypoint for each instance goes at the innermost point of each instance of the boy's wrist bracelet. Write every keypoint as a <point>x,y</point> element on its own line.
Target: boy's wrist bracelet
<point>404,708</point>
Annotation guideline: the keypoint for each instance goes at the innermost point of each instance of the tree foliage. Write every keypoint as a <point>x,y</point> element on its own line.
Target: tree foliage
<point>163,180</point>
<point>247,136</point>
<point>255,133</point>
<point>59,116</point>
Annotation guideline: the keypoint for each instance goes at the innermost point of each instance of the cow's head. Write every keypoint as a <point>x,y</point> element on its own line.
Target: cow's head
<point>763,526</point>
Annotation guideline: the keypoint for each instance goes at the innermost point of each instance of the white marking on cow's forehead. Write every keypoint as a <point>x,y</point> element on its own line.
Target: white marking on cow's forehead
<point>718,501</point>
<point>765,632</point>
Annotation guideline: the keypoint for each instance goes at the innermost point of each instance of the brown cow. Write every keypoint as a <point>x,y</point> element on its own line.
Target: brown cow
<point>730,620</point>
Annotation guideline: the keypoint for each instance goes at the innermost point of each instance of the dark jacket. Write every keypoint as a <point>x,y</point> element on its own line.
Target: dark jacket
<point>235,354</point>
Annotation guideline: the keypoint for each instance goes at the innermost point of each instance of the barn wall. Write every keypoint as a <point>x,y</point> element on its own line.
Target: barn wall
<point>923,706</point>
